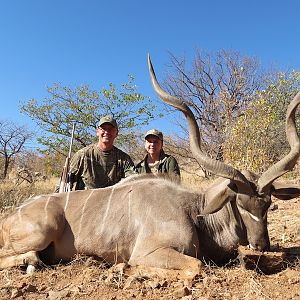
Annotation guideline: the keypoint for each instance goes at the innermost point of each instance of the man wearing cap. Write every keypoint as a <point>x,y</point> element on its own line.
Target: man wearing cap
<point>156,160</point>
<point>102,164</point>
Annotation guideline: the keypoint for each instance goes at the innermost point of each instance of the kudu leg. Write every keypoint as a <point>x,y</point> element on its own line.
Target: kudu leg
<point>168,258</point>
<point>26,233</point>
<point>8,258</point>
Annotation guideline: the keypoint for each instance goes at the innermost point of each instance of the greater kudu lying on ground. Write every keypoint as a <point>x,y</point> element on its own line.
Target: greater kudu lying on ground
<point>151,221</point>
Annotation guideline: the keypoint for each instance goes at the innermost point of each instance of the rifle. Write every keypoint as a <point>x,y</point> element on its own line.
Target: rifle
<point>64,183</point>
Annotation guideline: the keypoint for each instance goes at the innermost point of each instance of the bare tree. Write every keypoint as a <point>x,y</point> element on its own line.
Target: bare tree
<point>12,140</point>
<point>217,87</point>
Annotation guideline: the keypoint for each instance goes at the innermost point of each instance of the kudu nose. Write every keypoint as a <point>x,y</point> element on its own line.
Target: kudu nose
<point>261,245</point>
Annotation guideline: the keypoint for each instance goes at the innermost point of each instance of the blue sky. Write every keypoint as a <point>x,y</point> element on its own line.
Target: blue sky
<point>98,42</point>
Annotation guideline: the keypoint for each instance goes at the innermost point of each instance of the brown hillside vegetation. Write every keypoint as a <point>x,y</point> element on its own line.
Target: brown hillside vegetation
<point>86,278</point>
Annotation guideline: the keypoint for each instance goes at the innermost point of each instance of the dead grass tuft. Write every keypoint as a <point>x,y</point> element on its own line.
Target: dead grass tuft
<point>12,195</point>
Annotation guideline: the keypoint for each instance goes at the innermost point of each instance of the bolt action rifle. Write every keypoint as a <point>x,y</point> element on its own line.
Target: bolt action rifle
<point>64,183</point>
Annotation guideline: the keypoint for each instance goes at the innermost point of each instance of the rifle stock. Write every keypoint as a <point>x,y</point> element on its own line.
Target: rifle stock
<point>64,183</point>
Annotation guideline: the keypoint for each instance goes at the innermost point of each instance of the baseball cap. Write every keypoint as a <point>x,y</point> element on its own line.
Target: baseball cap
<point>108,119</point>
<point>154,132</point>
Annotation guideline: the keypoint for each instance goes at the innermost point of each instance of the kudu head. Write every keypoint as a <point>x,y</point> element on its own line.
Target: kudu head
<point>252,193</point>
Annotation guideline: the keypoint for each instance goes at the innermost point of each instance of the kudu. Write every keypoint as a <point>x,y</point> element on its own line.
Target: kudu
<point>151,221</point>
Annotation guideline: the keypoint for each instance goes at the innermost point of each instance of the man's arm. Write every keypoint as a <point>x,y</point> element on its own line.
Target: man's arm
<point>173,167</point>
<point>129,167</point>
<point>75,171</point>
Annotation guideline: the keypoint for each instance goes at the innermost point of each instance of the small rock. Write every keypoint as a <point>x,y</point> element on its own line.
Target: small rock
<point>15,293</point>
<point>293,280</point>
<point>188,283</point>
<point>30,269</point>
<point>58,295</point>
<point>129,282</point>
<point>109,278</point>
<point>30,288</point>
<point>89,262</point>
<point>273,206</point>
<point>164,283</point>
<point>189,297</point>
<point>179,293</point>
<point>119,268</point>
<point>22,285</point>
<point>76,289</point>
<point>154,284</point>
<point>43,288</point>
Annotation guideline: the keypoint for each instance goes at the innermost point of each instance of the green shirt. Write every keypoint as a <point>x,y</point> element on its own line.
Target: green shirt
<point>92,168</point>
<point>167,164</point>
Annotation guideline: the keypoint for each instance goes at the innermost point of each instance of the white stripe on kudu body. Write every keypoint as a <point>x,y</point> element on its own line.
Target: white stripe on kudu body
<point>45,208</point>
<point>108,206</point>
<point>84,219</point>
<point>67,201</point>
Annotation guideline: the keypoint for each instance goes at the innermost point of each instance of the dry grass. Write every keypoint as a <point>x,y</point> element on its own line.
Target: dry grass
<point>194,182</point>
<point>11,194</point>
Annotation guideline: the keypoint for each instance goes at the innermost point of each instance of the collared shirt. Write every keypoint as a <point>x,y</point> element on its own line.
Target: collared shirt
<point>167,164</point>
<point>92,168</point>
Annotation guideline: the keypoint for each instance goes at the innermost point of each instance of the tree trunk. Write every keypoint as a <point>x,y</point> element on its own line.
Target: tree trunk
<point>6,165</point>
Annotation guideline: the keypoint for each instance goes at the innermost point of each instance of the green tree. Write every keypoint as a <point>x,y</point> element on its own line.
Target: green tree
<point>280,91</point>
<point>248,145</point>
<point>85,106</point>
<point>257,139</point>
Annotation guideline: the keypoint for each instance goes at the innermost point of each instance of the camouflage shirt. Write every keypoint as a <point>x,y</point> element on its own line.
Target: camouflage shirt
<point>92,168</point>
<point>167,164</point>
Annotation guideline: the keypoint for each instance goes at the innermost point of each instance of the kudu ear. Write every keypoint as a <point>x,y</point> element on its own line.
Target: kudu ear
<point>285,191</point>
<point>218,195</point>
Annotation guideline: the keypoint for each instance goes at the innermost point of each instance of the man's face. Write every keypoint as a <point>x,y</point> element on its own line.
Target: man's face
<point>153,144</point>
<point>107,133</point>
